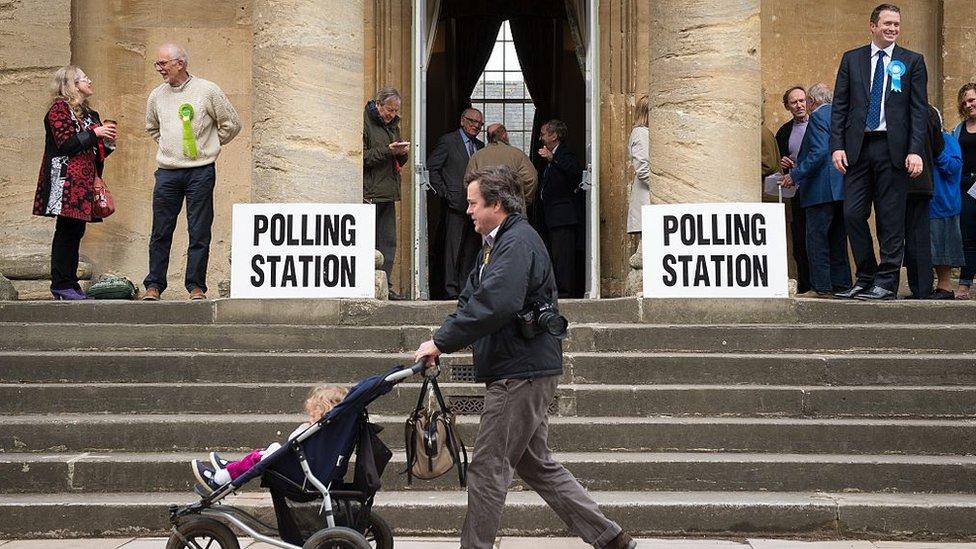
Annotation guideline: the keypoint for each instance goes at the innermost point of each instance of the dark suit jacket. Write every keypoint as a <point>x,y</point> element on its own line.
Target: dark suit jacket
<point>560,179</point>
<point>905,112</point>
<point>447,164</point>
<point>783,138</point>
<point>818,180</point>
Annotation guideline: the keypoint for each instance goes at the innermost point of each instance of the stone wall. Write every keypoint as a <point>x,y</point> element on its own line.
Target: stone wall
<point>35,40</point>
<point>959,55</point>
<point>803,41</point>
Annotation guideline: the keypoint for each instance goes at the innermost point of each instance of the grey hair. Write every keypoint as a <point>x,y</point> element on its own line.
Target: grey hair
<point>176,51</point>
<point>386,93</point>
<point>499,185</point>
<point>820,93</point>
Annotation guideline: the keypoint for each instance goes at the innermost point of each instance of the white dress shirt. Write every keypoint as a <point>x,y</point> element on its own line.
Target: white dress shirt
<point>884,91</point>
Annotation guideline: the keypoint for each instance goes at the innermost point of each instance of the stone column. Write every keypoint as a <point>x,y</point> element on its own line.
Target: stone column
<point>958,55</point>
<point>705,91</point>
<point>308,101</point>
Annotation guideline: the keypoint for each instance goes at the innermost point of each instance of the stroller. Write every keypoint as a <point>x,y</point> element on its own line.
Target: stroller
<point>310,467</point>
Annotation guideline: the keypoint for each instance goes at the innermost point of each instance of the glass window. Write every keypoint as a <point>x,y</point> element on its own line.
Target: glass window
<point>501,93</point>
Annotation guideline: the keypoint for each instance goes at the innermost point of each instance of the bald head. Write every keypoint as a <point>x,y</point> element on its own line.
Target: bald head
<point>497,133</point>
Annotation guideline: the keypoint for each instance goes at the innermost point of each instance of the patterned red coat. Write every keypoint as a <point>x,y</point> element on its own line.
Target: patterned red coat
<point>73,156</point>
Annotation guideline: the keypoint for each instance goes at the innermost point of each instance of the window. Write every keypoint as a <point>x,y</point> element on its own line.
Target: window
<point>501,93</point>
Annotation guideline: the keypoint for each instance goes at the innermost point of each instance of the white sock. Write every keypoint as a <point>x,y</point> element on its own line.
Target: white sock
<point>222,476</point>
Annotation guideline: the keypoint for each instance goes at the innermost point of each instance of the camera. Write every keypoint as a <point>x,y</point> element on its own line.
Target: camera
<point>540,318</point>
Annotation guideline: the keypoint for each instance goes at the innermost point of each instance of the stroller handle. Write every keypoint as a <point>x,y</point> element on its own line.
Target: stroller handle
<point>399,376</point>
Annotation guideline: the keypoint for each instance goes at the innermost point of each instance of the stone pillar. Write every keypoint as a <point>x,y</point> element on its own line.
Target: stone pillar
<point>705,90</point>
<point>36,41</point>
<point>958,55</point>
<point>308,101</point>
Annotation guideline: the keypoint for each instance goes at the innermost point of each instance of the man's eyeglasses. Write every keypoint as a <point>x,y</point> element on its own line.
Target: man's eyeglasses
<point>476,123</point>
<point>85,79</point>
<point>161,64</point>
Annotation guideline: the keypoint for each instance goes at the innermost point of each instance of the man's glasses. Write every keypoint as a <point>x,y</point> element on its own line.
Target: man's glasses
<point>161,64</point>
<point>476,123</point>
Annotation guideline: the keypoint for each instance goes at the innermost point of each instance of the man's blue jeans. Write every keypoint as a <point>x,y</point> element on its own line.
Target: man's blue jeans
<point>196,185</point>
<point>827,247</point>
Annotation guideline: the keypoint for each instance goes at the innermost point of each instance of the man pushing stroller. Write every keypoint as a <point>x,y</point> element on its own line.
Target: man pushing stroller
<point>508,310</point>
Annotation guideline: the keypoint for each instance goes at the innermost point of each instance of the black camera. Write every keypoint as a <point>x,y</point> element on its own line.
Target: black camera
<point>540,318</point>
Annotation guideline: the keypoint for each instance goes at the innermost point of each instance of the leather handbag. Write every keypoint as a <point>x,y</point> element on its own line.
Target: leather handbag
<point>104,203</point>
<point>432,442</point>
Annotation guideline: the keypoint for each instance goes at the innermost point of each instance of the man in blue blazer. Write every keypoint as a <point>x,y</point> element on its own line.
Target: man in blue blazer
<point>821,195</point>
<point>877,135</point>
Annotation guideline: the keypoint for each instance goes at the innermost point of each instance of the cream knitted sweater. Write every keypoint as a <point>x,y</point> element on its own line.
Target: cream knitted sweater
<point>215,122</point>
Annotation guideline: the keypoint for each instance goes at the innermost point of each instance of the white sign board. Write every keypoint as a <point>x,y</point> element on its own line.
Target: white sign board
<point>303,250</point>
<point>714,250</point>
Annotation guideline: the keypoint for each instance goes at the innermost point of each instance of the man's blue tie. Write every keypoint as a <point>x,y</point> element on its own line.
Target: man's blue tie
<point>877,90</point>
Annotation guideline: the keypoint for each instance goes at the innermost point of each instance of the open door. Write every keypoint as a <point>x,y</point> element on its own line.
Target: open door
<point>423,28</point>
<point>591,175</point>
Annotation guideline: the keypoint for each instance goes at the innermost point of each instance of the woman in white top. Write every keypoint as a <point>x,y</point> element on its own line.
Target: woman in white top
<point>640,192</point>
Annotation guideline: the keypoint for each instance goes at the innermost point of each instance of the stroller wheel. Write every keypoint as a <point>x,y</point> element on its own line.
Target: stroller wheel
<point>203,532</point>
<point>339,537</point>
<point>378,532</point>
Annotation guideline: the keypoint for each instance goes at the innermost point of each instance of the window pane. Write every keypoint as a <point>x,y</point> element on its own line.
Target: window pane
<point>495,61</point>
<point>511,58</point>
<point>505,33</point>
<point>516,139</point>
<point>493,113</point>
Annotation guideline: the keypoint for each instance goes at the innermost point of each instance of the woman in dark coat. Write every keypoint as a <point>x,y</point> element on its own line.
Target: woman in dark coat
<point>76,144</point>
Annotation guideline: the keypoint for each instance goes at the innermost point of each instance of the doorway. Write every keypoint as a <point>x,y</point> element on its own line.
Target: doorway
<point>521,65</point>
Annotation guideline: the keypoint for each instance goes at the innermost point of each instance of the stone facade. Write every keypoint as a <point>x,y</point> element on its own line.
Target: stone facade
<point>301,72</point>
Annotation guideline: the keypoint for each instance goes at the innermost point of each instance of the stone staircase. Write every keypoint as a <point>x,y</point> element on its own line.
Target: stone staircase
<point>730,417</point>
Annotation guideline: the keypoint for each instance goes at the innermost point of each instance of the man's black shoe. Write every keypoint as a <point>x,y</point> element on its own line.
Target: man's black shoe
<point>851,293</point>
<point>396,297</point>
<point>876,293</point>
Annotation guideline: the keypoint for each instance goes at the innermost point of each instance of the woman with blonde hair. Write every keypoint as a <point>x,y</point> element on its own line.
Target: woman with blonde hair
<point>640,191</point>
<point>76,144</point>
<point>965,134</point>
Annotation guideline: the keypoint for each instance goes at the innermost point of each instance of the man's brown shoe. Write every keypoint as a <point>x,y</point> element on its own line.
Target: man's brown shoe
<point>152,294</point>
<point>622,541</point>
<point>196,294</point>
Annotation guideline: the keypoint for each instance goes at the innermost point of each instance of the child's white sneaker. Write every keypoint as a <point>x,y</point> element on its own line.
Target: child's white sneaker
<point>217,461</point>
<point>204,473</point>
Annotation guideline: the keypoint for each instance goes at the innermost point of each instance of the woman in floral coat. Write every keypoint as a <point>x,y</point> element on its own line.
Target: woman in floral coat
<point>75,149</point>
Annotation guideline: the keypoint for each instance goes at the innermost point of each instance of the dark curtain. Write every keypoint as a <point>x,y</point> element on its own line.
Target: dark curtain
<point>474,40</point>
<point>538,46</point>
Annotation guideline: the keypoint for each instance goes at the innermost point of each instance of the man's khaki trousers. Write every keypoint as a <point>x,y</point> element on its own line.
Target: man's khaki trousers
<point>514,438</point>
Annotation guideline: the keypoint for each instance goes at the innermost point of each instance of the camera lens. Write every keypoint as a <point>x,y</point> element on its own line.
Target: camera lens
<point>553,323</point>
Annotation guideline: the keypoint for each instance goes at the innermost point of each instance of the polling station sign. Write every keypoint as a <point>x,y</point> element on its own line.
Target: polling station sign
<point>714,250</point>
<point>303,251</point>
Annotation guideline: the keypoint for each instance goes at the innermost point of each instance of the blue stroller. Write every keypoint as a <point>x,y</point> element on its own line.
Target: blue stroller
<point>310,467</point>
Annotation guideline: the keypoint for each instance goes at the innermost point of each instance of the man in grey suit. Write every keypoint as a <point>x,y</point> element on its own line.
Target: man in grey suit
<point>447,164</point>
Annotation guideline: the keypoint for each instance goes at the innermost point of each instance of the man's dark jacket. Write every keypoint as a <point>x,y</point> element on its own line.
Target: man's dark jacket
<point>518,274</point>
<point>783,138</point>
<point>381,168</point>
<point>906,115</point>
<point>560,179</point>
<point>447,164</point>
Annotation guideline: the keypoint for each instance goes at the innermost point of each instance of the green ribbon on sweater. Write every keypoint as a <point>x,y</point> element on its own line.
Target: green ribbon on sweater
<point>189,140</point>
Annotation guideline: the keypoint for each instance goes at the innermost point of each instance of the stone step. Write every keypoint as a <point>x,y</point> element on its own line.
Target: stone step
<point>188,432</point>
<point>611,337</point>
<point>372,312</point>
<point>572,400</point>
<point>872,515</point>
<point>98,472</point>
<point>581,367</point>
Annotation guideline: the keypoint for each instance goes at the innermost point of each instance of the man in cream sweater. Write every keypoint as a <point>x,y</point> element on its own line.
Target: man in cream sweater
<point>190,118</point>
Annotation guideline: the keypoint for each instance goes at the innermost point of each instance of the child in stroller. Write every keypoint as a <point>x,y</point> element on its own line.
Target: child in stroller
<point>220,471</point>
<point>309,467</point>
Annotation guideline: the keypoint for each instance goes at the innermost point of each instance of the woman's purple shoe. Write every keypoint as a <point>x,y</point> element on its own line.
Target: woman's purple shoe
<point>68,294</point>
